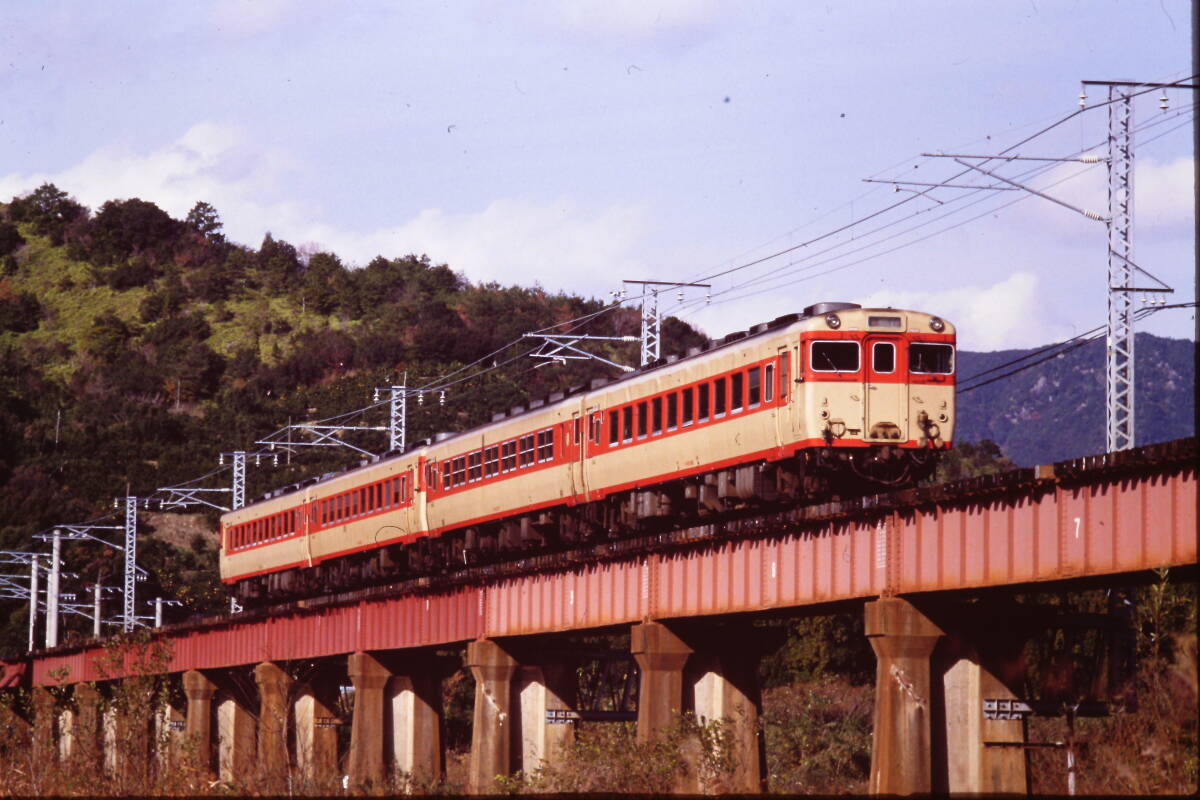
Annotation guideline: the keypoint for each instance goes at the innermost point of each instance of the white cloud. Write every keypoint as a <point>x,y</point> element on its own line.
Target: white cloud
<point>634,17</point>
<point>1008,314</point>
<point>1164,195</point>
<point>561,245</point>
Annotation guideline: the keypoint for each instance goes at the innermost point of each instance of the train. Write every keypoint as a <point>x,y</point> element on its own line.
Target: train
<point>832,401</point>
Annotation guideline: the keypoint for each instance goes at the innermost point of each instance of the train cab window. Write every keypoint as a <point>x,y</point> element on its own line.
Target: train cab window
<point>672,411</point>
<point>491,461</point>
<point>737,382</point>
<point>838,356</point>
<point>688,416</point>
<point>926,358</point>
<point>883,357</point>
<point>527,452</point>
<point>641,419</point>
<point>768,383</point>
<point>754,387</point>
<point>627,424</point>
<point>545,445</point>
<point>702,403</point>
<point>656,425</point>
<point>475,466</point>
<point>508,456</point>
<point>719,397</point>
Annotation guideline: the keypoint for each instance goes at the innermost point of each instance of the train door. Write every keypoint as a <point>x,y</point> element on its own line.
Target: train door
<point>885,390</point>
<point>789,420</point>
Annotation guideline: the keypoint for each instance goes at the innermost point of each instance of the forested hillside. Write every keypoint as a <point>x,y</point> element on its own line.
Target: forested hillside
<point>134,348</point>
<point>1055,409</point>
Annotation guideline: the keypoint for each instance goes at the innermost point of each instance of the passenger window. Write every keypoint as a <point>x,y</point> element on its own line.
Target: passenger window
<point>687,406</point>
<point>528,456</point>
<point>508,456</point>
<point>702,403</point>
<point>475,466</point>
<point>768,383</point>
<point>627,424</point>
<point>719,397</point>
<point>883,357</point>
<point>656,416</point>
<point>737,382</point>
<point>754,387</point>
<point>614,428</point>
<point>491,461</point>
<point>840,356</point>
<point>641,420</point>
<point>545,445</point>
<point>672,411</point>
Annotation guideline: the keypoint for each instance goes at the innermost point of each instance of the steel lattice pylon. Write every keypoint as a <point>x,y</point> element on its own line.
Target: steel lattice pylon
<point>1119,376</point>
<point>398,418</point>
<point>239,480</point>
<point>129,618</point>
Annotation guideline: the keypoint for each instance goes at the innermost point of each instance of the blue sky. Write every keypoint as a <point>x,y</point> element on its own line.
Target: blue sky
<point>573,144</point>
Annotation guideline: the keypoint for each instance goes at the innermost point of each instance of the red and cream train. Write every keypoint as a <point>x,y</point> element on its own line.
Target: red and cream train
<point>834,400</point>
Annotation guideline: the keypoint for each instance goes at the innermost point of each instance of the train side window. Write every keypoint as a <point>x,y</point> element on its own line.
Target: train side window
<point>737,382</point>
<point>614,427</point>
<point>627,424</point>
<point>641,420</point>
<point>460,471</point>
<point>754,387</point>
<point>768,383</point>
<point>508,456</point>
<point>597,427</point>
<point>527,452</point>
<point>672,411</point>
<point>431,475</point>
<point>355,503</point>
<point>719,397</point>
<point>447,475</point>
<point>656,421</point>
<point>545,445</point>
<point>883,357</point>
<point>475,466</point>
<point>702,403</point>
<point>688,416</point>
<point>491,461</point>
<point>578,431</point>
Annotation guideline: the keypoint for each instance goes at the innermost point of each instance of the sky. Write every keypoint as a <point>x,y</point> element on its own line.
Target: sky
<point>576,144</point>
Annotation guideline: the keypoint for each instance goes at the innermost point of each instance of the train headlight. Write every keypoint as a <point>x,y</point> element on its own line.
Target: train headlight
<point>833,321</point>
<point>937,324</point>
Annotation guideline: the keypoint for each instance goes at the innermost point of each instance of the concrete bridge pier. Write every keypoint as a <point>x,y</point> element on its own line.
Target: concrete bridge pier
<point>236,737</point>
<point>273,685</point>
<point>413,710</point>
<point>44,712</point>
<point>316,731</point>
<point>199,691</point>
<point>169,734</point>
<point>370,677</point>
<point>493,729</point>
<point>931,680</point>
<point>541,688</point>
<point>85,732</point>
<point>711,671</point>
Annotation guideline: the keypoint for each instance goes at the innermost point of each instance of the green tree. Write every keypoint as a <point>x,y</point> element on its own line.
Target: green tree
<point>203,218</point>
<point>49,209</point>
<point>10,238</point>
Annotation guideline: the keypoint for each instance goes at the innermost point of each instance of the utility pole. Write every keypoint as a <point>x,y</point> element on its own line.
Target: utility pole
<point>239,480</point>
<point>651,321</point>
<point>96,610</point>
<point>52,588</point>
<point>33,599</point>
<point>397,414</point>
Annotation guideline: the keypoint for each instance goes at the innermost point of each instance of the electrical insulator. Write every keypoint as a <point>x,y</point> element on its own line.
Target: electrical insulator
<point>1162,101</point>
<point>276,464</point>
<point>115,504</point>
<point>221,460</point>
<point>707,297</point>
<point>375,399</point>
<point>258,461</point>
<point>1082,98</point>
<point>441,398</point>
<point>420,398</point>
<point>680,295</point>
<point>146,504</point>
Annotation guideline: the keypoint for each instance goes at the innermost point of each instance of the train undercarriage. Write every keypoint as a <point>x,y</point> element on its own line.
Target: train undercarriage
<point>811,476</point>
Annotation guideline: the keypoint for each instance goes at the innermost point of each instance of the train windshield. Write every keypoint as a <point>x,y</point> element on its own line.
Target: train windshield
<point>931,358</point>
<point>839,356</point>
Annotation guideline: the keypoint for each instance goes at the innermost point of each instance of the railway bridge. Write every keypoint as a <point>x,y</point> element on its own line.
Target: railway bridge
<point>917,561</point>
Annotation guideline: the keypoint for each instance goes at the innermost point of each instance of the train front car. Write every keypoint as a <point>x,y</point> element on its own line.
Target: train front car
<point>875,394</point>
